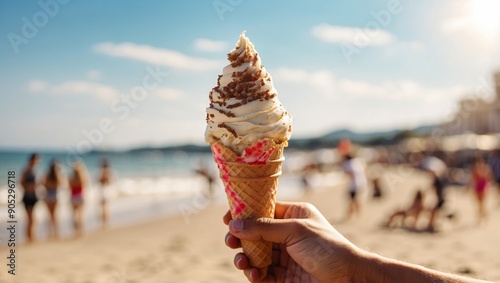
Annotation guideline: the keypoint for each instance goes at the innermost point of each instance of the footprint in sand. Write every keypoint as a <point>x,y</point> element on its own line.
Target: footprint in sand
<point>178,244</point>
<point>107,267</point>
<point>225,264</point>
<point>141,263</point>
<point>465,270</point>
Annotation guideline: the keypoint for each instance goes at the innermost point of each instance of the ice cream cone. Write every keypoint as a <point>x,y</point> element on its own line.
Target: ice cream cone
<point>247,129</point>
<point>251,192</point>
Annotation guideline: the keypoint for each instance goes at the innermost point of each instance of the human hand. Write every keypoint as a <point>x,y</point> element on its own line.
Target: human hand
<point>306,248</point>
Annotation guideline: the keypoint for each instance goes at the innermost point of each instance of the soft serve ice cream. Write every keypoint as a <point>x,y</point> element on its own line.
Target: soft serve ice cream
<point>247,129</point>
<point>244,106</point>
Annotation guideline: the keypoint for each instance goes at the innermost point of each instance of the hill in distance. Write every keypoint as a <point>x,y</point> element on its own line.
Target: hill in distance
<point>328,140</point>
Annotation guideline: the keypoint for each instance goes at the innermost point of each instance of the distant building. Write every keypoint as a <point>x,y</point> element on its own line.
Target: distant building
<point>475,114</point>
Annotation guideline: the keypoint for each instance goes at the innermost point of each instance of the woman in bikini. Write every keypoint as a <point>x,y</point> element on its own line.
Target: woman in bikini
<point>105,178</point>
<point>52,183</point>
<point>480,177</point>
<point>28,182</point>
<point>77,183</point>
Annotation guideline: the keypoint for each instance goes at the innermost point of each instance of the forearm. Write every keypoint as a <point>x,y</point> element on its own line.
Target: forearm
<point>377,269</point>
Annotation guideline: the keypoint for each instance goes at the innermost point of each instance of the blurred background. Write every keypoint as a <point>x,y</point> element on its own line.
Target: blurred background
<point>129,81</point>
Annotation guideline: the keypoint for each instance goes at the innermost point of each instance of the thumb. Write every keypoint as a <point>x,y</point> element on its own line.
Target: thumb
<point>281,231</point>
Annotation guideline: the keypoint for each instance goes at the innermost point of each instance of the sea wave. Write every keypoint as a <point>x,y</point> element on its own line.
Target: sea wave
<point>179,185</point>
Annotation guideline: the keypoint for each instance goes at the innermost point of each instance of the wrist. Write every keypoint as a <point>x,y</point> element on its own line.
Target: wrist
<point>367,267</point>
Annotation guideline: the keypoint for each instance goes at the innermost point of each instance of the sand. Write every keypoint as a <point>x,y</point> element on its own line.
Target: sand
<point>190,247</point>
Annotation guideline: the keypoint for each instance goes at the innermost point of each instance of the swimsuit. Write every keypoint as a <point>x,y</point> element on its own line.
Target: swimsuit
<point>352,194</point>
<point>481,184</point>
<point>51,194</point>
<point>30,198</point>
<point>76,194</point>
<point>30,177</point>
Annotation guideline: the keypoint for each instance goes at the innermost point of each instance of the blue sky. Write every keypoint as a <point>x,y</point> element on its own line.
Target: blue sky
<point>119,74</point>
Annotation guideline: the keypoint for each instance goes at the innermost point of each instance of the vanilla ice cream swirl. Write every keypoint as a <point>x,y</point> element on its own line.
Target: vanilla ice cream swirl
<point>244,106</point>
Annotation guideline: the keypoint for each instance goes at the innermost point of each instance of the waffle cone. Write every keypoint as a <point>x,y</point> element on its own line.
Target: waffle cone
<point>255,188</point>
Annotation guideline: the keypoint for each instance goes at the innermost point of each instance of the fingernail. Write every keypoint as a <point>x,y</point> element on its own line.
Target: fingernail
<point>238,262</point>
<point>226,240</point>
<point>236,225</point>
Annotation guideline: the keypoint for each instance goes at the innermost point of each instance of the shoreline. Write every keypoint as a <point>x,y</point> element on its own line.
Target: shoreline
<point>179,249</point>
<point>126,210</point>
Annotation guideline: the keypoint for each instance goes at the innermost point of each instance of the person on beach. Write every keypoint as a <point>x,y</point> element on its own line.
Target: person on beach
<point>52,183</point>
<point>344,147</point>
<point>494,162</point>
<point>308,249</point>
<point>29,184</point>
<point>306,172</point>
<point>412,212</point>
<point>480,178</point>
<point>77,183</point>
<point>438,170</point>
<point>355,170</point>
<point>375,171</point>
<point>205,173</point>
<point>105,179</point>
<point>377,188</point>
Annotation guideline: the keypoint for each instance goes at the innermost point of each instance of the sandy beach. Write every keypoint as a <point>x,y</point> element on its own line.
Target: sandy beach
<point>190,247</point>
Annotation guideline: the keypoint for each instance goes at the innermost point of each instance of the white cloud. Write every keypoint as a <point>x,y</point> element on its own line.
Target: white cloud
<point>208,45</point>
<point>168,93</point>
<point>351,35</point>
<point>361,38</point>
<point>322,81</point>
<point>94,75</point>
<point>326,83</point>
<point>99,91</point>
<point>358,103</point>
<point>37,86</point>
<point>157,56</point>
<point>361,88</point>
<point>455,24</point>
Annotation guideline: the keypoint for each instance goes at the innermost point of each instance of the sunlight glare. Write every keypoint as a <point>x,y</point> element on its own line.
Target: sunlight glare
<point>486,15</point>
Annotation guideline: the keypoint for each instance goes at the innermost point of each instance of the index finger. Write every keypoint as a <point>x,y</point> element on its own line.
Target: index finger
<point>281,208</point>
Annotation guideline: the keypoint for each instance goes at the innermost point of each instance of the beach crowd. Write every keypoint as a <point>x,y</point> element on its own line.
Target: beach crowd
<point>482,171</point>
<point>478,172</point>
<point>54,180</point>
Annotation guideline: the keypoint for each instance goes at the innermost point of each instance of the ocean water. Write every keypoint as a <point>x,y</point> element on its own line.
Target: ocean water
<point>147,184</point>
<point>136,173</point>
